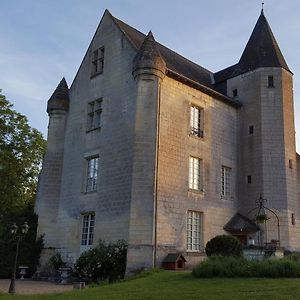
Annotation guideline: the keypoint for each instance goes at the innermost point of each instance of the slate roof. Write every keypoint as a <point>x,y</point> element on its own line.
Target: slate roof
<point>174,61</point>
<point>148,56</point>
<point>60,97</point>
<point>173,257</point>
<point>241,224</point>
<point>262,50</point>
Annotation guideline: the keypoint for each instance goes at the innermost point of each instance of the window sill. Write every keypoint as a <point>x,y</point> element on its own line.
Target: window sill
<point>196,191</point>
<point>96,74</point>
<point>93,129</point>
<point>89,192</point>
<point>195,136</point>
<point>227,198</point>
<point>195,253</point>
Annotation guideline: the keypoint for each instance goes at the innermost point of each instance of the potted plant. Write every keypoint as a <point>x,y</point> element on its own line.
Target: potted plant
<point>261,218</point>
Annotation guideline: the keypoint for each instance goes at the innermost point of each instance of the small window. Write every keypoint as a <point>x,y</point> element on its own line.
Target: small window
<point>270,81</point>
<point>92,174</point>
<point>94,114</point>
<point>196,121</point>
<point>225,181</point>
<point>87,235</point>
<point>249,179</point>
<point>195,173</point>
<point>251,130</point>
<point>293,219</point>
<point>290,164</point>
<point>194,230</point>
<point>98,61</point>
<point>234,93</point>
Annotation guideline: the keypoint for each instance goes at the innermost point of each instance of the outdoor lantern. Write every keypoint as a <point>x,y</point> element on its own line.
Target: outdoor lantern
<point>14,228</point>
<point>25,228</point>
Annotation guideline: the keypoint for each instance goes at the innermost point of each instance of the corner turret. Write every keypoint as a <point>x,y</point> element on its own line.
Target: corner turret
<point>60,98</point>
<point>148,59</point>
<point>262,49</point>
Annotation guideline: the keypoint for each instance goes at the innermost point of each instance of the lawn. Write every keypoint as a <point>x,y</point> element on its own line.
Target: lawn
<point>175,285</point>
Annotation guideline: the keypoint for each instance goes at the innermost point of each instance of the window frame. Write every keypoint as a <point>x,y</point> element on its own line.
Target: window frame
<point>194,231</point>
<point>195,181</point>
<point>95,174</point>
<point>94,112</point>
<point>226,182</point>
<point>87,229</point>
<point>196,121</point>
<point>98,61</point>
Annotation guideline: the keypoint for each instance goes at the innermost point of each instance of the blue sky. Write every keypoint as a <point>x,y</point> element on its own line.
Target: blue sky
<point>44,40</point>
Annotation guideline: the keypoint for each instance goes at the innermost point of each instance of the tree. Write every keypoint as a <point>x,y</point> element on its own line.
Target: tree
<point>21,152</point>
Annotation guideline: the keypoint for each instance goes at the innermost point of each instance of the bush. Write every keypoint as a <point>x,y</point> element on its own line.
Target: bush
<point>105,261</point>
<point>56,262</point>
<point>240,267</point>
<point>224,245</point>
<point>220,266</point>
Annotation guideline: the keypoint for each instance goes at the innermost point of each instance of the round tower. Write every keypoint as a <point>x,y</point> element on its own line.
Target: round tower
<point>50,178</point>
<point>149,69</point>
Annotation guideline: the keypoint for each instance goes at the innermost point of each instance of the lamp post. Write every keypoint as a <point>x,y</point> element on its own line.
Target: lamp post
<point>18,234</point>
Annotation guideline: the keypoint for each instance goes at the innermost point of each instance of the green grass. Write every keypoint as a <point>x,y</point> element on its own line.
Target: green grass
<point>175,285</point>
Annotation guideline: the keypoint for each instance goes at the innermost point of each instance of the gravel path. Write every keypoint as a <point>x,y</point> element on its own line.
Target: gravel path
<point>34,287</point>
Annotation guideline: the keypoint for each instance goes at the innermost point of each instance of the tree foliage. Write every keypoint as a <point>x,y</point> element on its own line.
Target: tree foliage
<point>30,246</point>
<point>21,152</point>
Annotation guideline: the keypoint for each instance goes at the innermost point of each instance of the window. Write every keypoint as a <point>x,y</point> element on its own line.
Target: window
<point>196,122</point>
<point>98,61</point>
<point>194,230</point>
<point>251,130</point>
<point>195,173</point>
<point>94,114</point>
<point>293,219</point>
<point>249,179</point>
<point>87,235</point>
<point>270,81</point>
<point>290,164</point>
<point>234,93</point>
<point>226,181</point>
<point>92,174</point>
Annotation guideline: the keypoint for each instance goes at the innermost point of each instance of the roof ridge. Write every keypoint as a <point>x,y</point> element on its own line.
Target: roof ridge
<point>161,45</point>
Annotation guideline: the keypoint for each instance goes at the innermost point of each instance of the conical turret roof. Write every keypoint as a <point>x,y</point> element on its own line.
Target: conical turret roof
<point>262,49</point>
<point>148,56</point>
<point>60,97</point>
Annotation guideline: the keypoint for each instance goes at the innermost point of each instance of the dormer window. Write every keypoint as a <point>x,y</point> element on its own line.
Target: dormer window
<point>98,61</point>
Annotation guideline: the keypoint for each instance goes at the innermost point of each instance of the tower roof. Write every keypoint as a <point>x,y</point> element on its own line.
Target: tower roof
<point>148,56</point>
<point>60,97</point>
<point>262,50</point>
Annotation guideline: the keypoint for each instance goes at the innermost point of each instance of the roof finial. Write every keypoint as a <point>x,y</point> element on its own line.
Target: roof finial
<point>262,8</point>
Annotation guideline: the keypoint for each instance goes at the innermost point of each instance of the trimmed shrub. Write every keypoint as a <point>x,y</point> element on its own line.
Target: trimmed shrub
<point>240,267</point>
<point>224,245</point>
<point>105,261</point>
<point>220,266</point>
<point>56,262</point>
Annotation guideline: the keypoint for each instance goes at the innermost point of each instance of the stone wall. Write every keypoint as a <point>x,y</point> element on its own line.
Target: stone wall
<point>217,148</point>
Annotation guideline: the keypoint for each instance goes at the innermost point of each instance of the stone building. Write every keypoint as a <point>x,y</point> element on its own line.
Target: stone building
<point>152,148</point>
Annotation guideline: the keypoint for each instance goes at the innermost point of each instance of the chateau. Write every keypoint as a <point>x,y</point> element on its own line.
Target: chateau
<point>149,147</point>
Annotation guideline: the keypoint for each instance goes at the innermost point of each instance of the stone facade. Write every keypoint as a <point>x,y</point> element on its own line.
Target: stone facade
<point>143,146</point>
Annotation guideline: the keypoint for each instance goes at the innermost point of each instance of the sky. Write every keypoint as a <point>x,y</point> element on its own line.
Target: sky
<point>42,41</point>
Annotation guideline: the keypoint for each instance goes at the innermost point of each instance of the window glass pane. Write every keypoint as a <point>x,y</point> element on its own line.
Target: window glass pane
<point>88,230</point>
<point>193,230</point>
